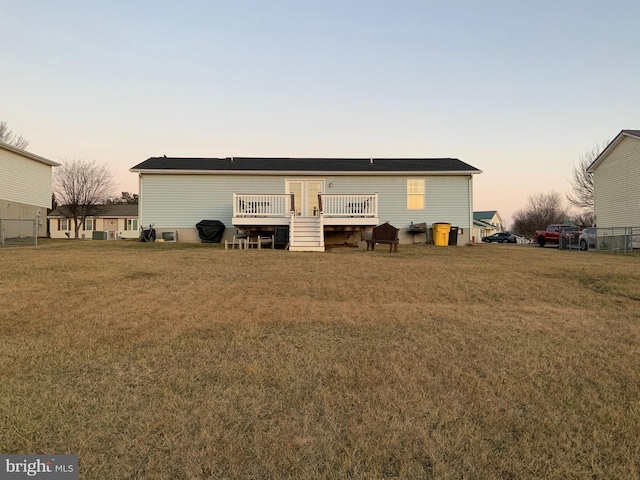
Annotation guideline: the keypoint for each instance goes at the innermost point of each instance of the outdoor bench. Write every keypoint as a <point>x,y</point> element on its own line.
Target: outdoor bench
<point>385,233</point>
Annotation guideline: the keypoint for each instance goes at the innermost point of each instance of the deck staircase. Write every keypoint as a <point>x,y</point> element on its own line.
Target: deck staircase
<point>306,234</point>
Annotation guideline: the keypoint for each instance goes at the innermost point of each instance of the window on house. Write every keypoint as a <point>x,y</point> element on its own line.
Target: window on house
<point>415,194</point>
<point>132,224</point>
<point>88,224</point>
<point>64,224</point>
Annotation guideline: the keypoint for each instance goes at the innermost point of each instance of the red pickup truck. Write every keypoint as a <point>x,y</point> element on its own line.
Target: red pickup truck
<point>558,233</point>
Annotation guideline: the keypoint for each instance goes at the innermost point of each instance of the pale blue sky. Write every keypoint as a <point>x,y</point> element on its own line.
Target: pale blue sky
<point>517,89</point>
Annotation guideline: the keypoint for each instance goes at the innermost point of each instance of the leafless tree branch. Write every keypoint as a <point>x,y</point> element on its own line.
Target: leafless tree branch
<point>79,185</point>
<point>581,194</point>
<point>7,136</point>
<point>542,209</point>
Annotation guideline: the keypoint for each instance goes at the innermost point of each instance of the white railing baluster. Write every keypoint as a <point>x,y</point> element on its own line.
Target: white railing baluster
<point>350,205</point>
<point>278,205</point>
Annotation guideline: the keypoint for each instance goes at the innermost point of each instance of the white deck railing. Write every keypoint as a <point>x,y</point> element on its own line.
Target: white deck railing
<point>349,205</point>
<point>281,205</point>
<point>262,205</point>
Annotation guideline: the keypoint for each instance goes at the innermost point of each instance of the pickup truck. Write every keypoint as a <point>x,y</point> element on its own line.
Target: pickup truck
<point>558,233</point>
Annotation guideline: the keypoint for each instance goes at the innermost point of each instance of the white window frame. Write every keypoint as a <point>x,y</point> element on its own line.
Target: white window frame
<point>64,224</point>
<point>131,222</point>
<point>88,227</point>
<point>416,188</point>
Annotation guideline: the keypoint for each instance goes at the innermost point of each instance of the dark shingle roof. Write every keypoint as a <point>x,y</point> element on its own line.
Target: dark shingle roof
<point>356,165</point>
<point>118,211</point>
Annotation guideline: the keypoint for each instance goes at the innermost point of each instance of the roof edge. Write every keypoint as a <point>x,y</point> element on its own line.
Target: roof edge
<point>31,156</point>
<point>612,145</point>
<point>300,172</point>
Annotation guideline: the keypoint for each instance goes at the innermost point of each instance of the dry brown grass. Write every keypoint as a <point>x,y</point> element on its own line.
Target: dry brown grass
<point>175,361</point>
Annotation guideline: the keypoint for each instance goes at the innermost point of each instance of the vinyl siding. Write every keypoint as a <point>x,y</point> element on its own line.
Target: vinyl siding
<point>24,180</point>
<point>181,201</point>
<point>446,198</point>
<point>10,209</point>
<point>617,186</point>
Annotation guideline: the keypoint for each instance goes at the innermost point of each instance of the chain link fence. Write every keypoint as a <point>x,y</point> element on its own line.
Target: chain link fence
<point>18,232</point>
<point>568,237</point>
<point>625,240</point>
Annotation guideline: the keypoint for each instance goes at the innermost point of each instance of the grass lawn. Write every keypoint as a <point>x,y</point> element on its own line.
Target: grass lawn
<point>178,361</point>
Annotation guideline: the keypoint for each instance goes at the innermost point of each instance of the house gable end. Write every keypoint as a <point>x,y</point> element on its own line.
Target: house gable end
<point>612,146</point>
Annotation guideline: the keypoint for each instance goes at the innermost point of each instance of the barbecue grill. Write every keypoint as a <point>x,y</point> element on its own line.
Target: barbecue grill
<point>416,229</point>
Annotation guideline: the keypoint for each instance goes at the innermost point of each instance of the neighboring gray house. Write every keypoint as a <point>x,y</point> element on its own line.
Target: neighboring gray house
<point>25,188</point>
<point>616,182</point>
<point>320,200</point>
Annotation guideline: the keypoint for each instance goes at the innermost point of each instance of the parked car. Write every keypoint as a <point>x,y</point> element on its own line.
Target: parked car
<point>501,237</point>
<point>561,234</point>
<point>587,238</point>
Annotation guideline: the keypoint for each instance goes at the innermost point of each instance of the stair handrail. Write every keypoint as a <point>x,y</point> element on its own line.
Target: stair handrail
<point>292,223</point>
<point>321,219</point>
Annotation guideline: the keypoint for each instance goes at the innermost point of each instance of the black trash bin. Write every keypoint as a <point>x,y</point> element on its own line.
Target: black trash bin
<point>210,231</point>
<point>453,236</point>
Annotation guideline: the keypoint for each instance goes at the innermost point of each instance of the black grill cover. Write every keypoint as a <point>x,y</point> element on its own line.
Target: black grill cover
<point>210,231</point>
<point>148,235</point>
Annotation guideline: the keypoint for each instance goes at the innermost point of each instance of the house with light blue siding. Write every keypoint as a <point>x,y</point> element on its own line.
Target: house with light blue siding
<point>321,201</point>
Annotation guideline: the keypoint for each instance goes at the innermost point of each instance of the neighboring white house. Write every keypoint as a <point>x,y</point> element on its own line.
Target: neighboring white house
<point>318,199</point>
<point>110,221</point>
<point>616,182</point>
<point>25,188</point>
<point>486,223</point>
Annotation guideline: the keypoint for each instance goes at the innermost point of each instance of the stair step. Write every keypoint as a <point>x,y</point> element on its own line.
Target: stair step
<point>307,236</point>
<point>295,248</point>
<point>305,229</point>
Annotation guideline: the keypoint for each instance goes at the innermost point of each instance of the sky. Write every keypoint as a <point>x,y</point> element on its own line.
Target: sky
<point>519,90</point>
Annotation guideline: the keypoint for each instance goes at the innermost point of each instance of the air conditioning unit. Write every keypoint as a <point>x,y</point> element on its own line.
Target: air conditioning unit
<point>170,236</point>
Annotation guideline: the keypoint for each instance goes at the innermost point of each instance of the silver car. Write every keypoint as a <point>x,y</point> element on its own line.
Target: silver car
<point>587,238</point>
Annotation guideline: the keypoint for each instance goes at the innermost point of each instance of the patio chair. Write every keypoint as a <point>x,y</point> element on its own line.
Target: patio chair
<point>281,238</point>
<point>239,239</point>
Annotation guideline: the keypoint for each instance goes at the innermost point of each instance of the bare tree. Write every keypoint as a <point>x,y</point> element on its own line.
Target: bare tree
<point>79,185</point>
<point>125,199</point>
<point>581,194</point>
<point>542,209</point>
<point>7,136</point>
<point>585,218</point>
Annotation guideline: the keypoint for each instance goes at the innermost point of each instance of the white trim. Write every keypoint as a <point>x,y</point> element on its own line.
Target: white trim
<point>304,192</point>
